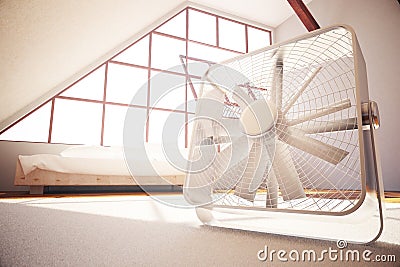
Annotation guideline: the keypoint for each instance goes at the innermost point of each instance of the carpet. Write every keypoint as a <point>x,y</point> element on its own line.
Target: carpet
<point>126,230</point>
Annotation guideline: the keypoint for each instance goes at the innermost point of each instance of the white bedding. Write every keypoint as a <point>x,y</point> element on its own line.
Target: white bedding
<point>98,160</point>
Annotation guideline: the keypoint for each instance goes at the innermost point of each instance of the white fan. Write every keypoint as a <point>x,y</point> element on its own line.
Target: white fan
<point>283,141</point>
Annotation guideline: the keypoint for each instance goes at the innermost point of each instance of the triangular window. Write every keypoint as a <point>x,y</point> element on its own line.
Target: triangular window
<point>34,127</point>
<point>92,110</point>
<point>176,26</point>
<point>91,87</point>
<point>137,54</point>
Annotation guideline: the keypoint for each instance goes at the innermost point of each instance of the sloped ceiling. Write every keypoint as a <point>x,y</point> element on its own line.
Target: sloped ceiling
<point>45,44</point>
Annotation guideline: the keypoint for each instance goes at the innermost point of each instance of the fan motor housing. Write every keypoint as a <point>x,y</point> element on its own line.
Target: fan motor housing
<point>258,117</point>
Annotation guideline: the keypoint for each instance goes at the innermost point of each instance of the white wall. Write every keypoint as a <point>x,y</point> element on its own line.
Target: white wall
<point>377,25</point>
<point>9,155</point>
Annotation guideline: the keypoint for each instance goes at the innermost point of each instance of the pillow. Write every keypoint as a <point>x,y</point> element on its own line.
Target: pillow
<point>156,151</point>
<point>94,152</point>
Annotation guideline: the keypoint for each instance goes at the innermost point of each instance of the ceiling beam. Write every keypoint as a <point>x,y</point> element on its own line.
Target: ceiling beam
<point>304,14</point>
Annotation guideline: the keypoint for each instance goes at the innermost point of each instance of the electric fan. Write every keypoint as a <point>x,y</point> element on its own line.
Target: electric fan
<point>283,142</point>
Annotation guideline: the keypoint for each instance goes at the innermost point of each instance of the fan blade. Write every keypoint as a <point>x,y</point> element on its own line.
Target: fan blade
<point>322,112</point>
<point>333,126</point>
<point>205,116</point>
<point>286,173</point>
<point>239,144</point>
<point>272,191</point>
<point>242,98</point>
<point>256,167</point>
<point>303,87</point>
<point>223,173</point>
<point>210,98</point>
<point>231,162</point>
<point>297,139</point>
<point>277,79</point>
<point>231,127</point>
<point>224,131</point>
<point>263,161</point>
<point>197,190</point>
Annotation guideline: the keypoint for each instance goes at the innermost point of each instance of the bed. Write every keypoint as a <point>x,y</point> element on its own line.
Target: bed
<point>95,166</point>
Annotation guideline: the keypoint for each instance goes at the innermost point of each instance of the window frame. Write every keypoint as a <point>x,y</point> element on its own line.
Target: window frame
<point>189,88</point>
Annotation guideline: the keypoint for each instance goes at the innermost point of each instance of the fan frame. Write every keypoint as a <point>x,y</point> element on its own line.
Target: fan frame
<point>369,203</point>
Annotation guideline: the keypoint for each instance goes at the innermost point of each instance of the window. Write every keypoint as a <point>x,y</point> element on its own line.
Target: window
<point>236,41</point>
<point>114,123</point>
<point>137,54</point>
<point>167,91</point>
<point>92,110</point>
<point>212,54</point>
<point>36,124</point>
<point>92,87</point>
<point>176,26</point>
<point>124,82</point>
<point>76,122</point>
<point>168,124</point>
<point>165,52</point>
<point>202,27</point>
<point>257,38</point>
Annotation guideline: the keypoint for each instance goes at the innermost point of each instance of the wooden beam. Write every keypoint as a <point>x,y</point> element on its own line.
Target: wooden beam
<point>304,14</point>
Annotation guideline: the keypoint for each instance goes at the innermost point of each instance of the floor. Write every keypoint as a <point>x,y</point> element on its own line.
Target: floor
<point>130,230</point>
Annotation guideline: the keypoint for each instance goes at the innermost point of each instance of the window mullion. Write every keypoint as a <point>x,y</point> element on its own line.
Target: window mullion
<point>51,120</point>
<point>104,104</point>
<point>148,88</point>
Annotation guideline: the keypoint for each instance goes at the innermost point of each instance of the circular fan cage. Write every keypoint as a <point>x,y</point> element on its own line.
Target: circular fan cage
<point>313,160</point>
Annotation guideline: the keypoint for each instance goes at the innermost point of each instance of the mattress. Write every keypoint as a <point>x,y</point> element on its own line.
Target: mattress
<point>87,165</point>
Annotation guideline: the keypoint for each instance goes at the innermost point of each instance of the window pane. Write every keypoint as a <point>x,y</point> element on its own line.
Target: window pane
<point>176,26</point>
<point>198,68</point>
<point>158,124</point>
<point>202,27</point>
<point>232,35</point>
<point>167,91</point>
<point>209,53</point>
<point>124,82</point>
<point>165,52</point>
<point>114,123</point>
<point>257,38</point>
<point>34,128</point>
<point>136,54</point>
<point>76,122</point>
<point>90,87</point>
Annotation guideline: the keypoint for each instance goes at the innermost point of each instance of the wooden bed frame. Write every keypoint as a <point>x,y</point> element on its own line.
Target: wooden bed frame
<point>38,179</point>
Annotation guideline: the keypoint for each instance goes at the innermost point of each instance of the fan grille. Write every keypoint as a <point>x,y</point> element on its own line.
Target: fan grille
<point>316,75</point>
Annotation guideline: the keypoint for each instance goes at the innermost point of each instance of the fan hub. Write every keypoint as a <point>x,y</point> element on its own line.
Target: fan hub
<point>258,117</point>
